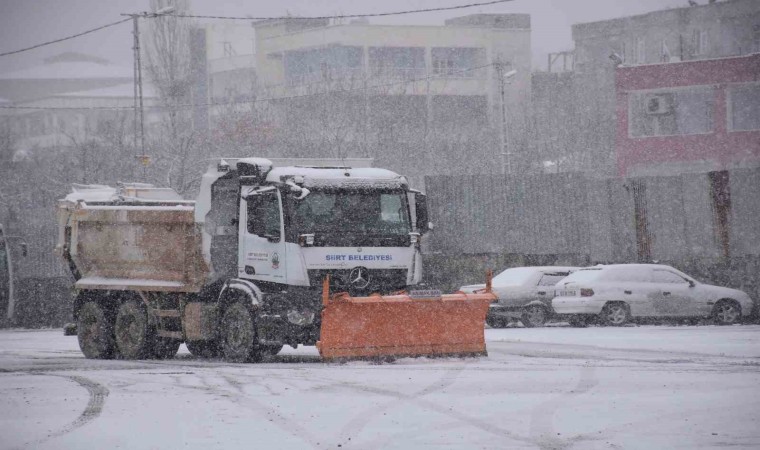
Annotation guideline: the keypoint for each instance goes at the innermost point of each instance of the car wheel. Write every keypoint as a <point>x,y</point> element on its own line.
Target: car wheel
<point>496,322</point>
<point>727,312</point>
<point>534,316</point>
<point>615,314</point>
<point>134,336</point>
<point>95,332</point>
<point>203,349</point>
<point>238,334</point>
<point>578,322</point>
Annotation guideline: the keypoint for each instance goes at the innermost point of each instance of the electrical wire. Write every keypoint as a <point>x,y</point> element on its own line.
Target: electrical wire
<point>346,16</point>
<point>243,102</point>
<point>66,38</point>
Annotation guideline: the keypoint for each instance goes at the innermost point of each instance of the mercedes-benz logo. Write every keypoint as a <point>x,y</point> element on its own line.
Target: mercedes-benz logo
<point>359,277</point>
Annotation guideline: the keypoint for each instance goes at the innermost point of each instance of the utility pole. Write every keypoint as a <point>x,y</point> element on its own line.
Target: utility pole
<point>506,160</point>
<point>142,158</point>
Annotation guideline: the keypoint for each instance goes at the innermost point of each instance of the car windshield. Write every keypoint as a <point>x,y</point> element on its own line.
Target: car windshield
<point>583,276</point>
<point>367,212</point>
<point>517,276</point>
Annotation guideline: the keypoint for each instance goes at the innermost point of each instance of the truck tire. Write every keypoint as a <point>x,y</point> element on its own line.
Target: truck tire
<point>203,349</point>
<point>238,334</point>
<point>95,332</point>
<point>134,337</point>
<point>165,348</point>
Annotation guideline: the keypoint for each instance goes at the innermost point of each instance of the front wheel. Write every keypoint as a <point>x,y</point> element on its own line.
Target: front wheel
<point>134,338</point>
<point>615,314</point>
<point>95,332</point>
<point>727,312</point>
<point>238,334</point>
<point>534,316</point>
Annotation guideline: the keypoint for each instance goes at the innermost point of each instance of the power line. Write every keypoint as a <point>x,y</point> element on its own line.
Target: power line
<point>345,16</point>
<point>244,102</point>
<point>66,38</point>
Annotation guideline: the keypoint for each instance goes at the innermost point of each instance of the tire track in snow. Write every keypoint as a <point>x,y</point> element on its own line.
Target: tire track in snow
<point>542,417</point>
<point>97,396</point>
<point>362,419</point>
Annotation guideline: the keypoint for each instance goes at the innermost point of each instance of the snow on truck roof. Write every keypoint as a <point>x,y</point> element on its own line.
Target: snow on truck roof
<point>317,176</point>
<point>127,192</point>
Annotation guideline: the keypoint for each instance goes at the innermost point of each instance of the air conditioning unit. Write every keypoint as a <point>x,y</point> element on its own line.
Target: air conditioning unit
<point>658,104</point>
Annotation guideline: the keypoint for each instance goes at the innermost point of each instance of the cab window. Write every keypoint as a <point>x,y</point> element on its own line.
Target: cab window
<point>664,276</point>
<point>264,215</point>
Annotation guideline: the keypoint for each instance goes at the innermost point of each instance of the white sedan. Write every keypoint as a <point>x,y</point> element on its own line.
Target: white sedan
<point>616,293</point>
<point>524,293</point>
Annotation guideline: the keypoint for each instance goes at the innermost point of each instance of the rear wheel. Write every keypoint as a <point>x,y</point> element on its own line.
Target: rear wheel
<point>534,316</point>
<point>615,314</point>
<point>95,332</point>
<point>727,312</point>
<point>238,334</point>
<point>134,336</point>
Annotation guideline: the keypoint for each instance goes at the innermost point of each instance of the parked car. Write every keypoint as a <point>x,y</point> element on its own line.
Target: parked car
<point>615,294</point>
<point>524,293</point>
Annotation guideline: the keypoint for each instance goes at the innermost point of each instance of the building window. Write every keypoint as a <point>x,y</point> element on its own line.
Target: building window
<point>744,107</point>
<point>682,112</point>
<point>456,61</point>
<point>665,55</point>
<point>700,42</point>
<point>640,49</point>
<point>401,62</point>
<point>322,64</point>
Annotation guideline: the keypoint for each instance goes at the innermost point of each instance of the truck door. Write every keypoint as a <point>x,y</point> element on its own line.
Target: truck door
<point>261,254</point>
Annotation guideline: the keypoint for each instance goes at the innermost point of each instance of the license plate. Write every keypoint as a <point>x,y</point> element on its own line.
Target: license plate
<point>432,294</point>
<point>566,293</point>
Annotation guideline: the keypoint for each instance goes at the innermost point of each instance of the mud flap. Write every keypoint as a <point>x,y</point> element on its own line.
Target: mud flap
<point>402,325</point>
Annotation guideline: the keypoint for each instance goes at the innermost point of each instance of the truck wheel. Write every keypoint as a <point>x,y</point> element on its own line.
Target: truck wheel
<point>95,332</point>
<point>165,348</point>
<point>134,338</point>
<point>534,316</point>
<point>238,334</point>
<point>203,349</point>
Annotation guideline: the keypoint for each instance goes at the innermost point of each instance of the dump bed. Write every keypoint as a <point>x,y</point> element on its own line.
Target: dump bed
<point>135,237</point>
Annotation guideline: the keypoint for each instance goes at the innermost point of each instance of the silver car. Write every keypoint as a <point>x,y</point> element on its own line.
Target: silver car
<point>524,293</point>
<point>614,294</point>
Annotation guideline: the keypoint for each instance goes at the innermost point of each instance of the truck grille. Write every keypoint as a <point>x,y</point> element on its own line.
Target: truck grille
<point>383,281</point>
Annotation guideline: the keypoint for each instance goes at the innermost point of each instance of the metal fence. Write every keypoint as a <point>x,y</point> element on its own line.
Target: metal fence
<point>709,215</point>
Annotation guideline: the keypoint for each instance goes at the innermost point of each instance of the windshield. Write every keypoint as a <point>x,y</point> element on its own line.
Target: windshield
<point>366,212</point>
<point>583,276</point>
<point>514,277</point>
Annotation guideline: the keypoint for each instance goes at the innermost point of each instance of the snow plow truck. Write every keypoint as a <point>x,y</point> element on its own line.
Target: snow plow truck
<point>266,256</point>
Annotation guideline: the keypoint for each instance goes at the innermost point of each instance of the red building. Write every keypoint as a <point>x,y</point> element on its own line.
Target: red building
<point>693,116</point>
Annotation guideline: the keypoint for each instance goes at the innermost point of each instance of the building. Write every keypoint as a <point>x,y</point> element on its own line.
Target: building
<point>713,30</point>
<point>372,82</point>
<point>687,117</point>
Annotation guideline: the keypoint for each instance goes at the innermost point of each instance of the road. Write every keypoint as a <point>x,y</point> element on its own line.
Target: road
<point>545,388</point>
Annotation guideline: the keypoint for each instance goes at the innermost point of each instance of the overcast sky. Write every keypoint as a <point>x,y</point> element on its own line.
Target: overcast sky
<point>28,22</point>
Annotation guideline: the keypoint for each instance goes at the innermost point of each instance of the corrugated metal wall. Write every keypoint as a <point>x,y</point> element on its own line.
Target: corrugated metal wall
<point>653,218</point>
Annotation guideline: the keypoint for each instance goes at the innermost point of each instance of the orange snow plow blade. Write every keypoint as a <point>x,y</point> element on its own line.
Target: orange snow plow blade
<point>421,323</point>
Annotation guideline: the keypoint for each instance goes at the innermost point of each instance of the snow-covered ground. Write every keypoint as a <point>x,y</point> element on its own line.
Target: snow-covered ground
<point>637,387</point>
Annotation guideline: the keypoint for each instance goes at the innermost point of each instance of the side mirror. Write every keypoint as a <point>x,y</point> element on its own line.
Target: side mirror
<point>24,249</point>
<point>691,283</point>
<point>420,206</point>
